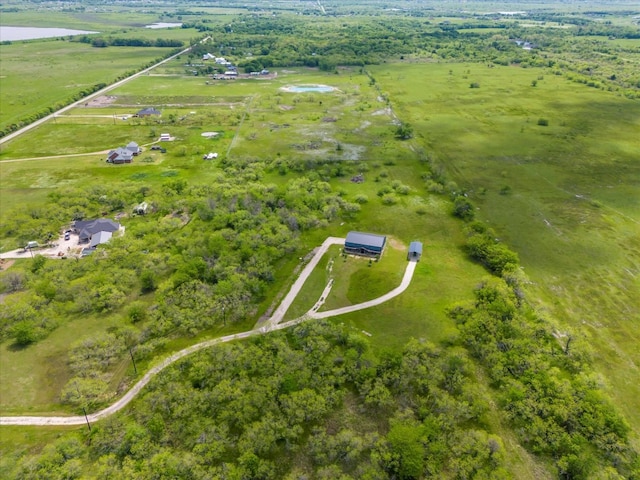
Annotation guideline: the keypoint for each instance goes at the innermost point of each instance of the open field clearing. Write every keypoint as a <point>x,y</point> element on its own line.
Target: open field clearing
<point>510,353</point>
<point>57,70</point>
<point>362,127</point>
<point>564,196</point>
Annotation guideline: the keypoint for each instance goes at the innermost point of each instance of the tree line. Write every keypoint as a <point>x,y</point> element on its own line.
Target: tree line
<point>102,42</point>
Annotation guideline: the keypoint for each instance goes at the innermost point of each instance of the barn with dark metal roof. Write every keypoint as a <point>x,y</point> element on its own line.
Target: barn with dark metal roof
<point>368,244</point>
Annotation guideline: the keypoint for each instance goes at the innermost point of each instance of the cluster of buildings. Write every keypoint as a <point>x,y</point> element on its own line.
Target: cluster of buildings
<point>124,154</point>
<point>231,71</point>
<point>218,60</point>
<point>372,245</point>
<point>94,232</point>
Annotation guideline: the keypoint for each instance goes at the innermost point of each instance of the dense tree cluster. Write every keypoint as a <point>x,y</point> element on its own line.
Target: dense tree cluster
<point>204,249</point>
<point>102,42</point>
<point>316,399</point>
<point>545,389</point>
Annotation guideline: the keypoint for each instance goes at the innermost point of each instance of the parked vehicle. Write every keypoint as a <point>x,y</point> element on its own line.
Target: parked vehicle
<point>31,245</point>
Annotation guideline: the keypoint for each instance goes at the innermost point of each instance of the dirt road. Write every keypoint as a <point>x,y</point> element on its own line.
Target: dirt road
<point>272,324</point>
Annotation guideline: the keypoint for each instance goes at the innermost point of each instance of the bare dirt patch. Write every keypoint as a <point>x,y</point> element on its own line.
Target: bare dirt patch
<point>5,263</point>
<point>101,101</point>
<point>384,111</point>
<point>397,244</point>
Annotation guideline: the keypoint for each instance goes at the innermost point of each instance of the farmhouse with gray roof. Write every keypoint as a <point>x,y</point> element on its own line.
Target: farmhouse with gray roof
<point>87,229</point>
<point>120,155</point>
<point>147,112</point>
<point>367,244</point>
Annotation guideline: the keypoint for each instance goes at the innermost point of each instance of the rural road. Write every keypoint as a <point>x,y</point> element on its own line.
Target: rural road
<point>272,324</point>
<point>277,316</point>
<point>39,122</point>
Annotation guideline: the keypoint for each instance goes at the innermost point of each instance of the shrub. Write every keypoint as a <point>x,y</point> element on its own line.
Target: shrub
<point>543,122</point>
<point>24,333</point>
<point>463,208</point>
<point>137,312</point>
<point>389,199</point>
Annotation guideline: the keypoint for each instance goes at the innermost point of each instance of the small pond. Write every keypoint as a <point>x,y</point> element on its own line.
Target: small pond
<point>163,25</point>
<point>308,88</point>
<point>8,33</point>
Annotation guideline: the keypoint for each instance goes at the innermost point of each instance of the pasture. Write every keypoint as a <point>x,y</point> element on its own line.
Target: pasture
<point>57,70</point>
<point>250,118</point>
<point>563,195</point>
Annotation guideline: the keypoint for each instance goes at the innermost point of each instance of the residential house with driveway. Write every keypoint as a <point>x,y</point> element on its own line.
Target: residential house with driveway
<point>124,154</point>
<point>95,232</point>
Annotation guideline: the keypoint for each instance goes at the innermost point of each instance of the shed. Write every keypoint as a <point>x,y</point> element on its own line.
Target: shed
<point>415,251</point>
<point>368,244</point>
<point>141,208</point>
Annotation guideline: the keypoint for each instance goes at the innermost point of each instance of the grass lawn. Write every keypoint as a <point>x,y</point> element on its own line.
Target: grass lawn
<point>33,377</point>
<point>313,287</point>
<point>357,279</point>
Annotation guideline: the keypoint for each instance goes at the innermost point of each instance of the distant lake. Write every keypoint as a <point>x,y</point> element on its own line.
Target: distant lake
<point>29,33</point>
<point>163,25</point>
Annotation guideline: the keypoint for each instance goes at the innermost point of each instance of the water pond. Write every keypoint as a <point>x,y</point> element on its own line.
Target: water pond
<point>12,34</point>
<point>308,88</point>
<point>163,25</point>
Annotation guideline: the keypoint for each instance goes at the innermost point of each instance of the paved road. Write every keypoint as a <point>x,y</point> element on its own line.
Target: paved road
<point>274,323</point>
<point>26,128</point>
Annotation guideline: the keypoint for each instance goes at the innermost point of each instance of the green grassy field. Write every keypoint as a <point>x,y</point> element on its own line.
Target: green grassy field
<point>357,280</point>
<point>362,127</point>
<point>564,196</point>
<point>57,70</point>
<point>37,375</point>
<point>546,191</point>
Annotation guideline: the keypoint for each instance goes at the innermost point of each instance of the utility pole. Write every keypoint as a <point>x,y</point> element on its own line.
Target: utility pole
<point>133,360</point>
<point>87,419</point>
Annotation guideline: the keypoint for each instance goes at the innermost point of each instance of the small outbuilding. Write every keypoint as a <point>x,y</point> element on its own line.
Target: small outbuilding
<point>367,244</point>
<point>415,251</point>
<point>141,208</point>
